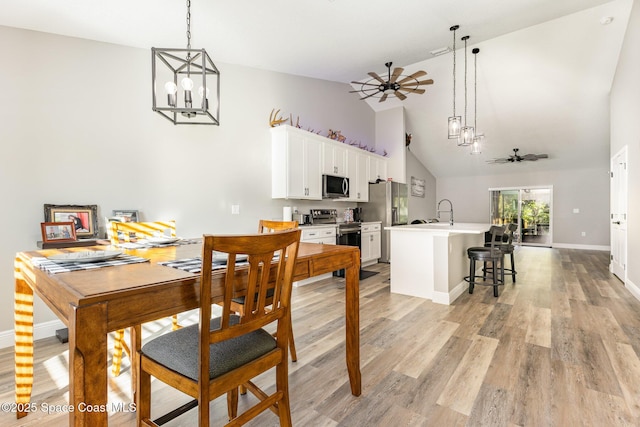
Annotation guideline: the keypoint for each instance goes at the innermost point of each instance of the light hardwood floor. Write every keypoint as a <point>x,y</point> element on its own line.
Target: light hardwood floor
<point>561,347</point>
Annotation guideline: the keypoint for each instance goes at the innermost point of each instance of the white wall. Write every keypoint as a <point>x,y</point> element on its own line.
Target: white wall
<point>390,137</point>
<point>76,127</point>
<point>585,189</point>
<point>421,207</point>
<point>625,130</point>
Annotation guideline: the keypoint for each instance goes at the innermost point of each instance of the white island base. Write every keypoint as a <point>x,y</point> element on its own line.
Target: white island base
<point>430,260</point>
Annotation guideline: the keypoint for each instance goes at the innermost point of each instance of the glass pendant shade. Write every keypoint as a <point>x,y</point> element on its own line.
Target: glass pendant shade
<point>455,124</point>
<point>466,136</point>
<point>476,145</point>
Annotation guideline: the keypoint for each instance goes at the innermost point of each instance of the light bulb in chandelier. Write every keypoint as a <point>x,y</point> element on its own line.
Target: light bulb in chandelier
<point>187,85</point>
<point>476,145</point>
<point>204,96</point>
<point>171,89</point>
<point>466,136</point>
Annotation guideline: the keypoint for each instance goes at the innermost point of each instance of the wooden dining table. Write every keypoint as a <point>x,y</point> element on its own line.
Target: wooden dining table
<point>93,302</point>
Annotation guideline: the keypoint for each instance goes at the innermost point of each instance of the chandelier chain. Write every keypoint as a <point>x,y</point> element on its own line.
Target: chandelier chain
<point>188,24</point>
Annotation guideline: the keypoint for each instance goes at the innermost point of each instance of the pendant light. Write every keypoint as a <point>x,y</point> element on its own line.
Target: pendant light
<point>455,122</point>
<point>478,139</point>
<point>466,132</point>
<point>191,68</point>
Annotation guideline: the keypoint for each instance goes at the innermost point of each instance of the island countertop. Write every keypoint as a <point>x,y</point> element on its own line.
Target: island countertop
<point>444,227</point>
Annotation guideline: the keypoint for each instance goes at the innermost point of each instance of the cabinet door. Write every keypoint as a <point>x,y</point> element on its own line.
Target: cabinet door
<point>362,182</point>
<point>377,169</point>
<point>376,249</point>
<point>334,160</point>
<point>296,174</point>
<point>313,173</point>
<point>365,247</point>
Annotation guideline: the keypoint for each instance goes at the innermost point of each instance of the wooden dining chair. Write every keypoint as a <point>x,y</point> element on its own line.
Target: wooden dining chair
<point>130,232</point>
<point>217,355</point>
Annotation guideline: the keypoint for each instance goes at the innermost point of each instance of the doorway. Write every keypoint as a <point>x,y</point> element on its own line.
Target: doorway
<point>619,176</point>
<point>529,208</point>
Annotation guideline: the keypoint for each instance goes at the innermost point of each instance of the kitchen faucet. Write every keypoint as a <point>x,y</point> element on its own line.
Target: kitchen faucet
<point>450,210</point>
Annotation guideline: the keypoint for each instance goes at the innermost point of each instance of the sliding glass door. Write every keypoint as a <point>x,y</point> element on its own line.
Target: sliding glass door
<point>529,208</point>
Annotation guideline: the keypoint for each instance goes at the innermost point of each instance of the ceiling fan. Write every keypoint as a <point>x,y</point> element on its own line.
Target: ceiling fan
<point>395,84</point>
<point>518,158</point>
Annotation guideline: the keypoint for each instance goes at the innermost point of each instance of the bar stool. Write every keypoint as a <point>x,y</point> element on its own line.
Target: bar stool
<point>487,254</point>
<point>507,248</point>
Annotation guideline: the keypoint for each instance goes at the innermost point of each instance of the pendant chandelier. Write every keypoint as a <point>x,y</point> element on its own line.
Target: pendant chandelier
<point>178,72</point>
<point>455,122</point>
<point>466,132</point>
<point>478,139</point>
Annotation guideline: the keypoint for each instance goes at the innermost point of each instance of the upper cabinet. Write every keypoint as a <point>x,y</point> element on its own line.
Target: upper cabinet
<point>358,173</point>
<point>295,158</point>
<point>300,158</point>
<point>334,159</point>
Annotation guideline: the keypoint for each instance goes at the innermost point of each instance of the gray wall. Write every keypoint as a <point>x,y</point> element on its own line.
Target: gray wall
<point>77,128</point>
<point>585,189</point>
<point>625,128</point>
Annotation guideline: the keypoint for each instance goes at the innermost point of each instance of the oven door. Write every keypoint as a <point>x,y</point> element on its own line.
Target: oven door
<point>350,237</point>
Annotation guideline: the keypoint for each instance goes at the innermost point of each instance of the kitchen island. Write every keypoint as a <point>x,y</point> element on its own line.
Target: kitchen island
<point>430,260</point>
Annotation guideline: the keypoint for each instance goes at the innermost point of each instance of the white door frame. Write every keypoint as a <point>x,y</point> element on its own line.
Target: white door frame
<point>618,213</point>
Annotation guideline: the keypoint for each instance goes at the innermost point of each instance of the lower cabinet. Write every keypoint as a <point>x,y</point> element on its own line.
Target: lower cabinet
<point>370,249</point>
<point>322,236</point>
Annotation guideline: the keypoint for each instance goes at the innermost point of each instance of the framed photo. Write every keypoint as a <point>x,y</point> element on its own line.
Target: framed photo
<point>58,232</point>
<point>126,215</point>
<point>417,187</point>
<point>83,217</point>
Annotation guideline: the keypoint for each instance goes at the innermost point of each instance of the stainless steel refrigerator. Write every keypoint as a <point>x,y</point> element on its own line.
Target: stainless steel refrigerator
<point>388,202</point>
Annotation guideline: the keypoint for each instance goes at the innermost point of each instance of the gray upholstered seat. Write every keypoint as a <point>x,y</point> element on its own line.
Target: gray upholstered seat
<point>178,350</point>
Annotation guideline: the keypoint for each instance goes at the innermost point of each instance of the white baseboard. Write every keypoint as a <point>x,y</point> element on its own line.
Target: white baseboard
<point>449,297</point>
<point>40,330</point>
<point>633,288</point>
<point>583,247</point>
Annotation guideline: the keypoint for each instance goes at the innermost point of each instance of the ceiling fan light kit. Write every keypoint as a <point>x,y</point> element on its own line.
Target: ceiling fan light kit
<point>394,86</point>
<point>178,72</point>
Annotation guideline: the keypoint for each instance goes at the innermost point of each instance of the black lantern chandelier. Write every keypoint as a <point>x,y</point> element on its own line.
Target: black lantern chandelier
<point>178,72</point>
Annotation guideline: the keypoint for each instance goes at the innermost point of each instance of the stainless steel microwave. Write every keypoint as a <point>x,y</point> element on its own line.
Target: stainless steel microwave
<point>334,187</point>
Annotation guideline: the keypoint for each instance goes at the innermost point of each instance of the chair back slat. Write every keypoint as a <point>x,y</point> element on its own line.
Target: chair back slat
<point>496,231</point>
<point>269,226</point>
<point>127,231</point>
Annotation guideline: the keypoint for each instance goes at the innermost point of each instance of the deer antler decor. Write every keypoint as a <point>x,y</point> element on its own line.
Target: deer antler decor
<point>274,120</point>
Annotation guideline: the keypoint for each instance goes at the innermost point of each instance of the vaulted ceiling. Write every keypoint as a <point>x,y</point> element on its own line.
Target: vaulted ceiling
<point>545,67</point>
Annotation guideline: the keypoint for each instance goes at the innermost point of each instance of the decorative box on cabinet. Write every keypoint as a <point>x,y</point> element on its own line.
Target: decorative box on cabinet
<point>370,249</point>
<point>295,159</point>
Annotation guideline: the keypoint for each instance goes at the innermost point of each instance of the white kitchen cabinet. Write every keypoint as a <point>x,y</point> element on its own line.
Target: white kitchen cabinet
<point>370,249</point>
<point>322,235</point>
<point>377,168</point>
<point>295,162</point>
<point>334,158</point>
<point>357,171</point>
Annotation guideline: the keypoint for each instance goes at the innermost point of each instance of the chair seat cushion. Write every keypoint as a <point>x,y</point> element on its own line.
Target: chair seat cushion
<point>178,350</point>
<point>482,253</point>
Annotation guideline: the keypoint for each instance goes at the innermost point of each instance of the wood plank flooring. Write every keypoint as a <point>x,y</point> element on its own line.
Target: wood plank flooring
<point>561,347</point>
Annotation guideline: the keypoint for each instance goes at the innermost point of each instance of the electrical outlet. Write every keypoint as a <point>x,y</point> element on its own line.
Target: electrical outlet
<point>235,209</point>
<point>584,234</point>
<point>576,210</point>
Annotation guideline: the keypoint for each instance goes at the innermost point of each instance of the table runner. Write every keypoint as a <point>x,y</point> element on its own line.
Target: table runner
<point>59,267</point>
<point>144,244</point>
<point>194,265</point>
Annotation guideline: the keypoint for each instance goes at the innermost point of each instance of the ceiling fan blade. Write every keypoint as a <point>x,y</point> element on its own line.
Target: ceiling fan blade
<point>396,73</point>
<point>424,82</point>
<point>498,161</point>
<point>530,157</point>
<point>542,156</point>
<point>400,95</point>
<point>377,77</point>
<point>413,76</point>
<point>412,90</point>
<point>369,96</point>
<point>384,97</point>
<point>365,84</point>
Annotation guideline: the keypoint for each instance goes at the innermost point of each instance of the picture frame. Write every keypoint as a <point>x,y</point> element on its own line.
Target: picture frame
<point>58,232</point>
<point>417,187</point>
<point>126,215</point>
<point>84,218</point>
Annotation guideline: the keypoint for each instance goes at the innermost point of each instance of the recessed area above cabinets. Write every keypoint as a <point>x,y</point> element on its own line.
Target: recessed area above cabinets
<point>300,158</point>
